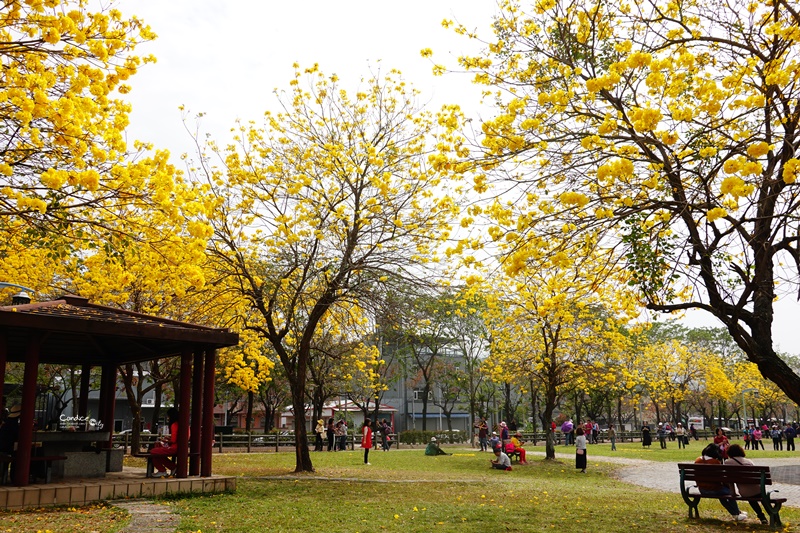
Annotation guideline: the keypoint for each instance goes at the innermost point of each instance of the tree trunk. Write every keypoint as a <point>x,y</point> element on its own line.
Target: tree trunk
<point>425,390</point>
<point>248,425</point>
<point>547,416</point>
<point>302,456</point>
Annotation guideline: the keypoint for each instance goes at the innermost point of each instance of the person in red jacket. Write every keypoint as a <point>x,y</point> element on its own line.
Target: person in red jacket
<point>167,447</point>
<point>366,439</point>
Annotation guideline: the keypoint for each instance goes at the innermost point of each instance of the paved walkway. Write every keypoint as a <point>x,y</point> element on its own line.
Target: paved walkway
<point>664,475</point>
<point>148,517</point>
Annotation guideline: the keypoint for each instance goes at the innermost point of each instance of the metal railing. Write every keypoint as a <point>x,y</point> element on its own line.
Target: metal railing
<point>275,442</point>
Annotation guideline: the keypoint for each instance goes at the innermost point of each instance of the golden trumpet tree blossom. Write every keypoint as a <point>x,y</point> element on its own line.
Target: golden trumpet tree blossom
<point>63,154</point>
<point>557,326</point>
<point>669,127</point>
<point>334,201</point>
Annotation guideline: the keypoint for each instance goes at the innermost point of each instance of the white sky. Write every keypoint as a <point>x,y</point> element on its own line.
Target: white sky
<point>224,58</point>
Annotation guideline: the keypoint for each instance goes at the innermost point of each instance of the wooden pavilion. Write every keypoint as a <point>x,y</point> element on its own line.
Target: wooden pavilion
<point>73,331</point>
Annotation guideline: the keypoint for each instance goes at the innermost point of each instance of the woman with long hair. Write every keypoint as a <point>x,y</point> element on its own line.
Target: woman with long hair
<point>366,439</point>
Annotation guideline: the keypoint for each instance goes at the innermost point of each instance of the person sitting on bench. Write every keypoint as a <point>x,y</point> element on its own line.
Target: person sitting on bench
<point>746,490</point>
<point>166,447</point>
<point>713,456</point>
<point>9,433</point>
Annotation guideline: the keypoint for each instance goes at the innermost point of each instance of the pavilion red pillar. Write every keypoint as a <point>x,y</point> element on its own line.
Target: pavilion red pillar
<point>83,399</point>
<point>108,397</point>
<point>3,362</point>
<point>183,414</point>
<point>25,439</point>
<point>207,435</point>
<point>195,433</point>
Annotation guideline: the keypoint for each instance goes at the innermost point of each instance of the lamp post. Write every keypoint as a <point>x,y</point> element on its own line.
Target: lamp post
<point>744,406</point>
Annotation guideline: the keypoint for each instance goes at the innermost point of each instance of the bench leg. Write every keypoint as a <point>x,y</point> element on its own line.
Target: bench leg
<point>774,511</point>
<point>149,472</point>
<point>694,512</point>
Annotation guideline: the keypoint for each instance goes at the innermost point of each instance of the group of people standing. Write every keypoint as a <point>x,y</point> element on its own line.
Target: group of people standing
<point>335,433</point>
<point>754,436</point>
<point>666,431</point>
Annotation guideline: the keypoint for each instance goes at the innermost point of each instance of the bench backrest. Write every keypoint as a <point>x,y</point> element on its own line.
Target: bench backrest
<point>705,473</point>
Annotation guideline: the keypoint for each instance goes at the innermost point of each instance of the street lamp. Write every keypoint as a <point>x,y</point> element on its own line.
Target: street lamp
<point>744,407</point>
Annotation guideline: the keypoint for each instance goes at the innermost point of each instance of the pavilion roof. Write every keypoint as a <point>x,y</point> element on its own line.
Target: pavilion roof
<point>76,331</point>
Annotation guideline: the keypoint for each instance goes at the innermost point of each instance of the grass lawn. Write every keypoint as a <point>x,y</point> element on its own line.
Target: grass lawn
<point>405,491</point>
<point>101,518</point>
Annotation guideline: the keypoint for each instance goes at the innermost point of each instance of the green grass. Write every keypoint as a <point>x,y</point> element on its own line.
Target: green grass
<point>405,491</point>
<point>100,518</point>
<point>409,492</point>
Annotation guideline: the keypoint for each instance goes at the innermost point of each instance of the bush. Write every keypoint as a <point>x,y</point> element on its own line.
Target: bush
<point>414,436</point>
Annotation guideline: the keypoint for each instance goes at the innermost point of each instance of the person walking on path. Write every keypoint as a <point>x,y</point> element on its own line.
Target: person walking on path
<point>693,431</point>
<point>339,432</point>
<point>366,439</point>
<point>504,436</point>
<point>777,438</point>
<point>330,432</point>
<point>722,442</point>
<point>566,429</point>
<point>757,438</point>
<point>647,439</point>
<point>680,433</point>
<point>662,436</point>
<point>612,435</point>
<point>580,450</point>
<point>712,456</point>
<point>483,434</point>
<point>790,434</point>
<point>385,438</point>
<point>736,456</point>
<point>318,431</point>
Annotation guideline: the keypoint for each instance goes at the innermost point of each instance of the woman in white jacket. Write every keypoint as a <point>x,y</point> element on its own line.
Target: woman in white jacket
<point>736,457</point>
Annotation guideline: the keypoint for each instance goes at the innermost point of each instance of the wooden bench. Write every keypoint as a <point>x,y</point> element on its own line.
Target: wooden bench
<point>149,457</point>
<point>730,474</point>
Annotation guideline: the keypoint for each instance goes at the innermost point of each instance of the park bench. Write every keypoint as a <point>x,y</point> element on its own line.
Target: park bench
<point>149,457</point>
<point>730,474</point>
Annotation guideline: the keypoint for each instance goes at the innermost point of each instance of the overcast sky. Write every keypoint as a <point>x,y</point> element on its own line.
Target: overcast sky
<point>224,58</point>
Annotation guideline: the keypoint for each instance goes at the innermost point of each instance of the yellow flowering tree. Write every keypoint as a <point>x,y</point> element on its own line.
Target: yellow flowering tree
<point>670,128</point>
<point>63,156</point>
<point>554,325</point>
<point>338,198</point>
